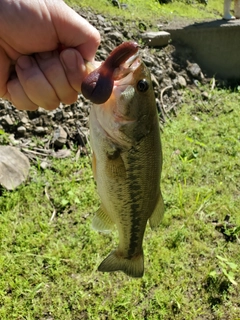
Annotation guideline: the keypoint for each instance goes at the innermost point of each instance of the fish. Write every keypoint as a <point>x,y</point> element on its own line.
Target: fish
<point>126,156</point>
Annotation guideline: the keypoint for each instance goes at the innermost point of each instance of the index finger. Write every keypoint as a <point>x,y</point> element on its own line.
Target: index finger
<point>76,32</point>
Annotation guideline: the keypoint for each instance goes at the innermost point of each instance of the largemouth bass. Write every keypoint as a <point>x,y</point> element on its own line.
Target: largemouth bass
<point>127,159</point>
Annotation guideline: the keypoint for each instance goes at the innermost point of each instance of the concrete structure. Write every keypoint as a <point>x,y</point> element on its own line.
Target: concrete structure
<point>215,45</point>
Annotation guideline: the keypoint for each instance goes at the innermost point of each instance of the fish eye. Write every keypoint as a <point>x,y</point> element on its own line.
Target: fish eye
<point>142,85</point>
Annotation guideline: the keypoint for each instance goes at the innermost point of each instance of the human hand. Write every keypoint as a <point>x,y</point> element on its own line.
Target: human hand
<point>33,72</point>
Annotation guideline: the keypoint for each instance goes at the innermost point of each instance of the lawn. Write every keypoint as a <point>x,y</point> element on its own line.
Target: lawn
<point>154,11</point>
<point>49,253</point>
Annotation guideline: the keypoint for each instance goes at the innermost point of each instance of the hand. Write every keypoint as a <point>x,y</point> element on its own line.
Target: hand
<point>33,72</point>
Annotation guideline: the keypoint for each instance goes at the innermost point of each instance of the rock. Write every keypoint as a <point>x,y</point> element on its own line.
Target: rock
<point>205,95</point>
<point>22,130</point>
<point>42,111</point>
<point>70,114</point>
<point>196,82</point>
<point>44,165</point>
<point>181,81</point>
<point>156,39</point>
<point>107,29</point>
<point>61,154</point>
<point>12,140</point>
<point>39,130</point>
<point>23,119</point>
<point>59,137</point>
<point>115,35</point>
<point>100,18</point>
<point>58,114</point>
<point>194,70</point>
<point>14,167</point>
<point>6,120</point>
<point>116,3</point>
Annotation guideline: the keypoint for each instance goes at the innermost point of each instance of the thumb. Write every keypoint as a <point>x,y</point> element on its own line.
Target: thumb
<point>74,31</point>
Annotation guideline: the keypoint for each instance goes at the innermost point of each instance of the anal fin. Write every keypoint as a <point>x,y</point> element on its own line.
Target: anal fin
<point>158,213</point>
<point>101,221</point>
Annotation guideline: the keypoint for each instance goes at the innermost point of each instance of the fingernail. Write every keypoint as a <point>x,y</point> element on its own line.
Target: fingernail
<point>69,59</point>
<point>24,62</point>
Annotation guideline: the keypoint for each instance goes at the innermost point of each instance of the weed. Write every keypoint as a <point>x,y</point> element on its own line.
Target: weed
<point>4,137</point>
<point>228,269</point>
<point>219,281</point>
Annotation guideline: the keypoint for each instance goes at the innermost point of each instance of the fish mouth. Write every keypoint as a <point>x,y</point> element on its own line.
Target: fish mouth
<point>98,85</point>
<point>123,75</point>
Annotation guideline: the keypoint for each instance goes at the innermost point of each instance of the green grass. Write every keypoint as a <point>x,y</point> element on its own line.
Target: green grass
<point>48,268</point>
<point>152,11</point>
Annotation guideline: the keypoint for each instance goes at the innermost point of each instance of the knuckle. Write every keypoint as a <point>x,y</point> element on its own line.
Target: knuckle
<point>50,105</point>
<point>69,99</point>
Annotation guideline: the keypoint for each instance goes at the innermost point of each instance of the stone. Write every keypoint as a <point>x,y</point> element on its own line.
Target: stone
<point>107,29</point>
<point>6,120</point>
<point>182,81</point>
<point>13,141</point>
<point>116,3</point>
<point>156,39</point>
<point>14,167</point>
<point>205,95</point>
<point>41,111</point>
<point>59,137</point>
<point>70,114</point>
<point>24,120</point>
<point>39,130</point>
<point>58,114</point>
<point>195,70</point>
<point>44,165</point>
<point>115,35</point>
<point>61,154</point>
<point>100,18</point>
<point>22,130</point>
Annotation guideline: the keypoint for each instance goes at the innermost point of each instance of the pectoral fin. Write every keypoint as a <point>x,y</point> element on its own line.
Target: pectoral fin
<point>157,214</point>
<point>101,221</point>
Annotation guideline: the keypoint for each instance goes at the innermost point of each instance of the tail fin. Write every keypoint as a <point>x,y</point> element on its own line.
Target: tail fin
<point>133,267</point>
